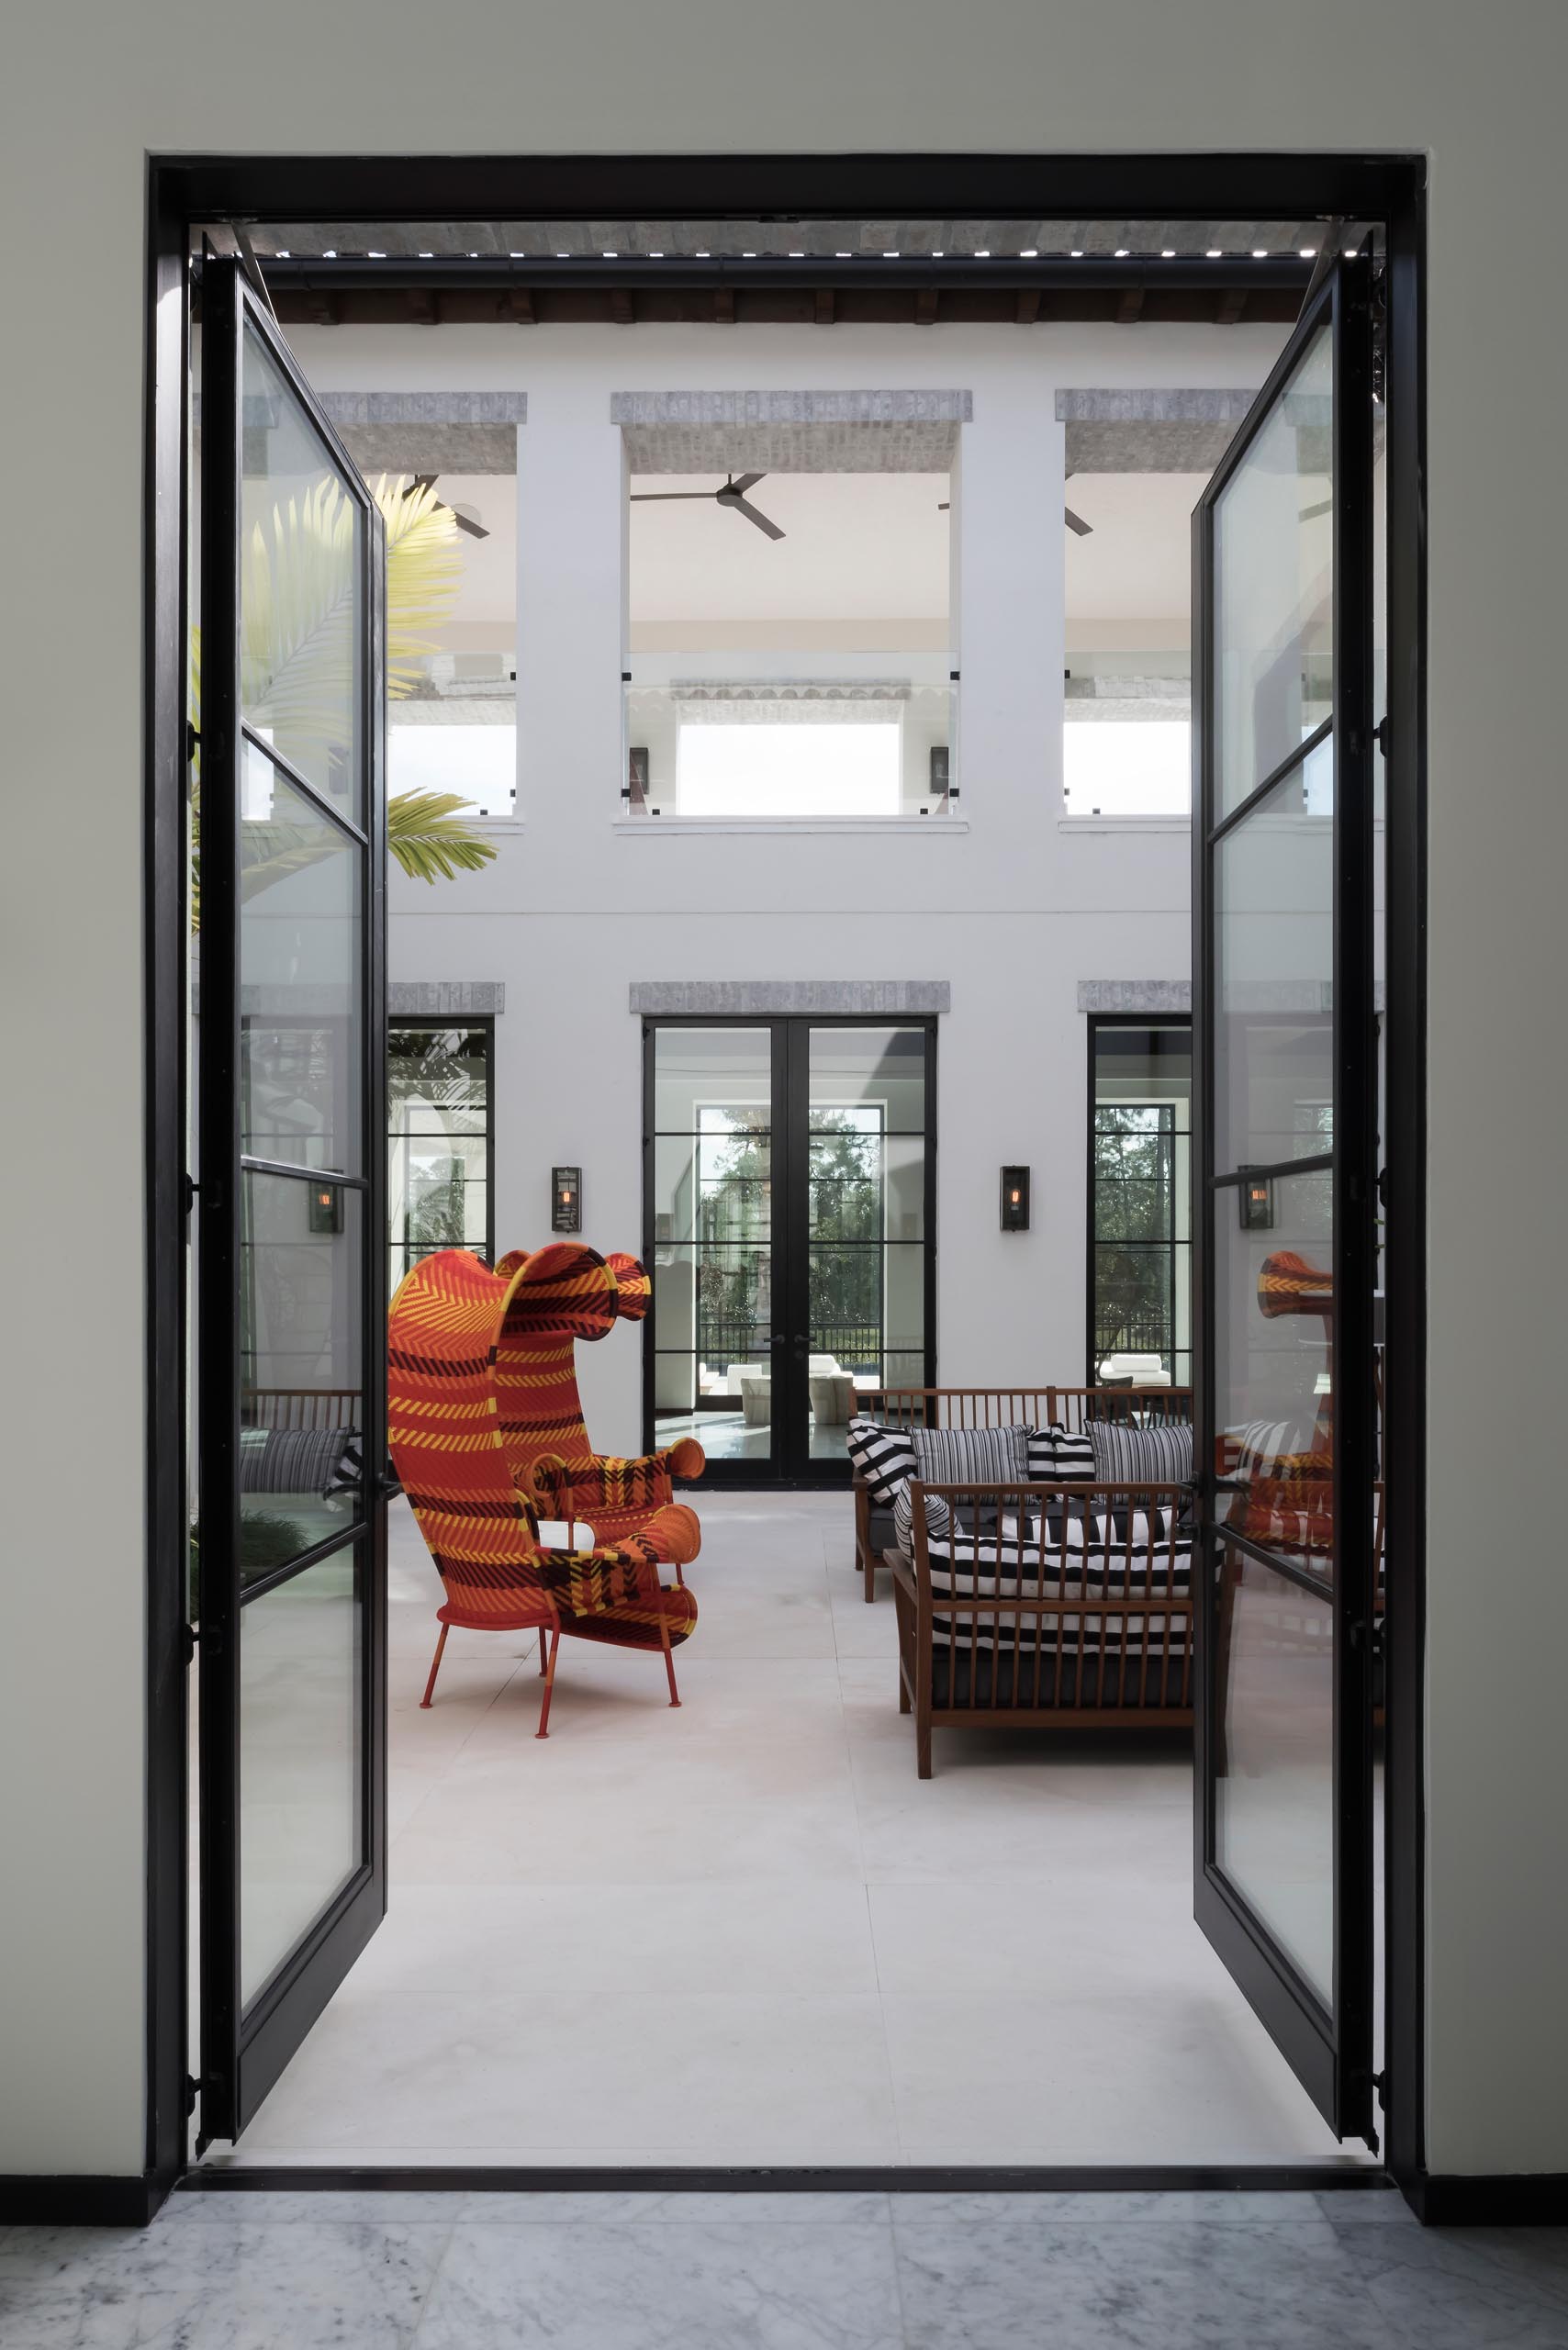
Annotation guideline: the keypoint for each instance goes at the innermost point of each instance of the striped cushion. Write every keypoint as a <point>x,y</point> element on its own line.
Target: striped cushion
<point>1124,1454</point>
<point>883,1458</point>
<point>291,1460</point>
<point>971,1456</point>
<point>938,1519</point>
<point>1055,1454</point>
<point>1097,1553</point>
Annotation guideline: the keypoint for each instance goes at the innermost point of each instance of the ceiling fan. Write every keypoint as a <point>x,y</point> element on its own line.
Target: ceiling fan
<point>464,516</point>
<point>733,495</point>
<point>1074,522</point>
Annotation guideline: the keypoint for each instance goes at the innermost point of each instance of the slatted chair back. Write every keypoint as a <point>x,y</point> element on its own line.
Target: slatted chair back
<point>1001,1407</point>
<point>300,1407</point>
<point>1076,1407</point>
<point>444,1434</point>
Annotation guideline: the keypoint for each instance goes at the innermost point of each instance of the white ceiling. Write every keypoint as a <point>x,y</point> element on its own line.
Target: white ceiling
<point>1136,564</point>
<point>858,546</point>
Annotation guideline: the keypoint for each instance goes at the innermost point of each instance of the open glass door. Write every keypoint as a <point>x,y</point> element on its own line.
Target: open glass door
<point>1284,1139</point>
<point>291,1288</point>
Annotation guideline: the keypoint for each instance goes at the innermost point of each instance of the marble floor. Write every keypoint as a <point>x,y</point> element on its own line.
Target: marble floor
<point>746,1933</point>
<point>240,2271</point>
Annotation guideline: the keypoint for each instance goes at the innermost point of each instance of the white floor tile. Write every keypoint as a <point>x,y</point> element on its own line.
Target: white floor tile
<point>744,1932</point>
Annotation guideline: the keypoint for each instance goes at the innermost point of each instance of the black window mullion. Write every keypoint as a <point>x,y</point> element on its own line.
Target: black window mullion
<point>1294,758</point>
<point>301,783</point>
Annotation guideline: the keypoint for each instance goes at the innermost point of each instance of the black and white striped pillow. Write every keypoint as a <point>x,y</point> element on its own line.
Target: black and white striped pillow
<point>291,1460</point>
<point>971,1456</point>
<point>1055,1454</point>
<point>1161,1452</point>
<point>938,1519</point>
<point>882,1458</point>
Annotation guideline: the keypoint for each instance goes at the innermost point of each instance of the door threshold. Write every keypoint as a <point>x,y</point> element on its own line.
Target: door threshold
<point>914,2179</point>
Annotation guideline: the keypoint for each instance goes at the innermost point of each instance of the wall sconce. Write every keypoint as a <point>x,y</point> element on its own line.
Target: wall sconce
<point>1015,1199</point>
<point>326,1208</point>
<point>1256,1193</point>
<point>565,1199</point>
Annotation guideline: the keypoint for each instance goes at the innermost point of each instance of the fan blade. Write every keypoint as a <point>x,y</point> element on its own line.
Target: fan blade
<point>746,481</point>
<point>739,506</point>
<point>1075,522</point>
<point>663,497</point>
<point>464,522</point>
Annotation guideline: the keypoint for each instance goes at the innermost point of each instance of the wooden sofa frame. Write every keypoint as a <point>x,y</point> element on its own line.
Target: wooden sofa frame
<point>1119,1686</point>
<point>996,1407</point>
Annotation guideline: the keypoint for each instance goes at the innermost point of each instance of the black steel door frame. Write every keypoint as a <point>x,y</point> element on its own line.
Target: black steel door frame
<point>245,2049</point>
<point>187,190</point>
<point>1330,2050</point>
<point>790,1463</point>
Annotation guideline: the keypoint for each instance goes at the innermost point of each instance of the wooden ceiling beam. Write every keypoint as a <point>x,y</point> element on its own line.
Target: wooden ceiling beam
<point>1028,308</point>
<point>1231,304</point>
<point>925,306</point>
<point>623,309</point>
<point>725,305</point>
<point>422,307</point>
<point>826,306</point>
<point>517,306</point>
<point>1130,309</point>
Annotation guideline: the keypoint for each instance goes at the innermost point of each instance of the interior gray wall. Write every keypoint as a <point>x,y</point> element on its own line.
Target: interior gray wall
<point>91,91</point>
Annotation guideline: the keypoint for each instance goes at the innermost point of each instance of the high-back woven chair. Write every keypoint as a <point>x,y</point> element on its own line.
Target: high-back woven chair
<point>555,1296</point>
<point>454,1461</point>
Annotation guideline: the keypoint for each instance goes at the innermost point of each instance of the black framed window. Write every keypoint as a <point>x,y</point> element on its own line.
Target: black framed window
<point>1140,1200</point>
<point>439,1139</point>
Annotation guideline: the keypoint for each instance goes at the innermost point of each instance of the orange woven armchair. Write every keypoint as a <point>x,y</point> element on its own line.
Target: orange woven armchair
<point>460,1335</point>
<point>554,1297</point>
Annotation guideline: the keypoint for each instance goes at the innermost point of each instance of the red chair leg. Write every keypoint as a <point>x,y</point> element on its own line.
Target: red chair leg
<point>543,1648</point>
<point>669,1660</point>
<point>543,1729</point>
<point>435,1666</point>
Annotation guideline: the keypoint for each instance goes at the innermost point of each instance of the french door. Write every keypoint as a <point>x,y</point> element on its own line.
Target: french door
<point>290,1549</point>
<point>789,1191</point>
<point>1285,1109</point>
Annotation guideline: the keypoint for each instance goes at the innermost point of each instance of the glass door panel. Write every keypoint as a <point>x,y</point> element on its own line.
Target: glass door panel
<point>291,1291</point>
<point>301,1796</point>
<point>301,975</point>
<point>865,1091</point>
<point>1273,582</point>
<point>1284,1155</point>
<point>711,1358</point>
<point>303,523</point>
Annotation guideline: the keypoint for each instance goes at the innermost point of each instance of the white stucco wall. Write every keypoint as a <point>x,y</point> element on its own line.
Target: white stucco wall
<point>90,89</point>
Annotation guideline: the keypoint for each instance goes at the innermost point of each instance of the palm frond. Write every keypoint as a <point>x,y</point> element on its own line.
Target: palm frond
<point>424,571</point>
<point>429,838</point>
<point>299,581</point>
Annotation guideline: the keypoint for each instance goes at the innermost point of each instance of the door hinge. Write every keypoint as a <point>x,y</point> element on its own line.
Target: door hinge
<point>193,739</point>
<point>1381,736</point>
<point>1380,2089</point>
<point>189,1635</point>
<point>1369,1637</point>
<point>192,1188</point>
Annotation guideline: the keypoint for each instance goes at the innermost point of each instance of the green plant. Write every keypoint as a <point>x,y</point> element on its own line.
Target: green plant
<point>296,665</point>
<point>267,1539</point>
